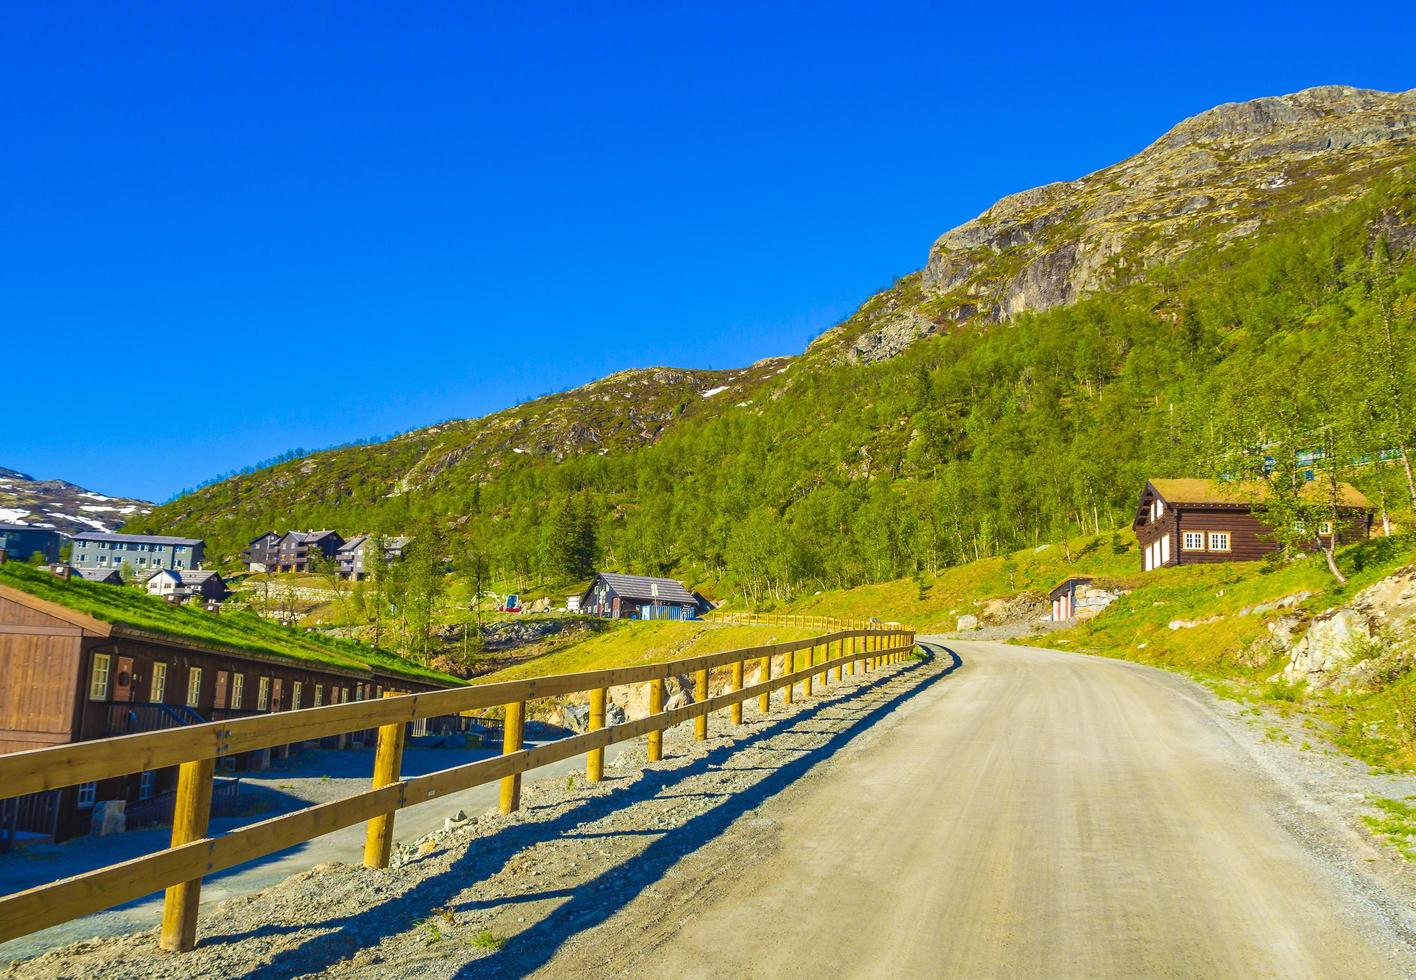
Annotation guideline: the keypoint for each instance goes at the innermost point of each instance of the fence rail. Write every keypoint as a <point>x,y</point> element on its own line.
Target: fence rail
<point>193,854</point>
<point>792,619</point>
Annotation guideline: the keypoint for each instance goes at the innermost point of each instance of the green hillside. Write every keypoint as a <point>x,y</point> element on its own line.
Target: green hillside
<point>1261,304</point>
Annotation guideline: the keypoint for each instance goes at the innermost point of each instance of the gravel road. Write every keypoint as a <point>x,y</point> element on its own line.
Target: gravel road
<point>1001,811</point>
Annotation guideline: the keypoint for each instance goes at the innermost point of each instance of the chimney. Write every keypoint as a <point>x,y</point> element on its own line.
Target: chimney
<point>65,572</point>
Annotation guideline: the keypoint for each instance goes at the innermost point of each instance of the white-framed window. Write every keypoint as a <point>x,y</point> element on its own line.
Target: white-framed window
<point>1219,541</point>
<point>263,694</point>
<point>238,689</point>
<point>98,677</point>
<point>145,782</point>
<point>88,792</point>
<point>158,691</point>
<point>194,686</point>
<point>319,695</point>
<point>295,692</point>
<point>1165,549</point>
<point>1194,541</point>
<point>1325,529</point>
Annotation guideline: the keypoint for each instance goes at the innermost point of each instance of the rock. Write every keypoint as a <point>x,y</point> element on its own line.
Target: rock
<point>679,699</point>
<point>968,621</point>
<point>108,817</point>
<point>1382,615</point>
<point>1189,624</point>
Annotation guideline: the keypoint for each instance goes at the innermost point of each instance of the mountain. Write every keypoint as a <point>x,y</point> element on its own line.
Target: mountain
<point>64,506</point>
<point>1216,177</point>
<point>1051,354</point>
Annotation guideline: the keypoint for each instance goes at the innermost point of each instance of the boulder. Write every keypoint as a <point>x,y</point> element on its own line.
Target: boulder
<point>1381,615</point>
<point>968,621</point>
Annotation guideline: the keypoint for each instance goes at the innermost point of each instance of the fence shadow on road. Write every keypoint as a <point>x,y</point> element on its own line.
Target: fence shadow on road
<point>599,898</point>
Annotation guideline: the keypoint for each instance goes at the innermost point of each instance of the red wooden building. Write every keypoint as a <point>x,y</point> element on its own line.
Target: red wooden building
<point>1197,521</point>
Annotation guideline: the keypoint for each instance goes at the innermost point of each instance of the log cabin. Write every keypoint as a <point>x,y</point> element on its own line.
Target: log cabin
<point>1198,521</point>
<point>81,660</point>
<point>615,596</point>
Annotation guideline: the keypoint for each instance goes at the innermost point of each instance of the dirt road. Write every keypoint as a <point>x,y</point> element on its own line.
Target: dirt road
<point>1041,814</point>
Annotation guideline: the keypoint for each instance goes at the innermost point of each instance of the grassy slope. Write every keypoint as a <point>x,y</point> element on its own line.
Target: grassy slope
<point>628,644</point>
<point>125,606</point>
<point>963,588</point>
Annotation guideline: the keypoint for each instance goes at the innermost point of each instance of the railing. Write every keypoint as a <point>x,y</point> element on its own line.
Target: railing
<point>193,855</point>
<point>790,619</point>
<point>154,812</point>
<point>35,813</point>
<point>126,718</point>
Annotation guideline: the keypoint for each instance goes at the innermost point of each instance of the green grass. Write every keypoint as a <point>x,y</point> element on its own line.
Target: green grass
<point>488,940</point>
<point>630,643</point>
<point>1109,557</point>
<point>243,632</point>
<point>1396,822</point>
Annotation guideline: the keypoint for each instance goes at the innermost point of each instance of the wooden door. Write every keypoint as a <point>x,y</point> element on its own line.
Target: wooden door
<point>222,676</point>
<point>123,680</point>
<point>275,701</point>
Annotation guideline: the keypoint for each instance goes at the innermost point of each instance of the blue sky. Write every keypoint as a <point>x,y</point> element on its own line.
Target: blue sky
<point>228,230</point>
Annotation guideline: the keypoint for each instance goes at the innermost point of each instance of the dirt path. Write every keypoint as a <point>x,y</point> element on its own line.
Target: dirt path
<point>1028,813</point>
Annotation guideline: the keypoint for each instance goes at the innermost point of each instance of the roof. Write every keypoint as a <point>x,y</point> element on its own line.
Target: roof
<point>646,587</point>
<point>1061,586</point>
<point>27,527</point>
<point>196,576</point>
<point>99,574</point>
<point>107,611</point>
<point>1200,491</point>
<point>354,543</point>
<point>135,538</point>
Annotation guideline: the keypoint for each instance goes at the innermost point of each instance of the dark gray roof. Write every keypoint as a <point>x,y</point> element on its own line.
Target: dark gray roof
<point>309,535</point>
<point>196,576</point>
<point>135,538</point>
<point>23,527</point>
<point>99,574</point>
<point>651,589</point>
<point>354,543</point>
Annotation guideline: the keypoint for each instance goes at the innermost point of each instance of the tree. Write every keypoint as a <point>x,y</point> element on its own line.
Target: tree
<point>570,546</point>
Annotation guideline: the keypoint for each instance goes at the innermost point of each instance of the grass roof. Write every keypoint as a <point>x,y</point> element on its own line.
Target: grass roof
<point>243,632</point>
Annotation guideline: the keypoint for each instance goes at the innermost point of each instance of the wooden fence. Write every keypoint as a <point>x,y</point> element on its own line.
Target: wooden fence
<point>192,855</point>
<point>792,619</point>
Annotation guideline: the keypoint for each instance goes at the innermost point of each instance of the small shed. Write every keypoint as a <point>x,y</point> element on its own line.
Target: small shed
<point>1064,597</point>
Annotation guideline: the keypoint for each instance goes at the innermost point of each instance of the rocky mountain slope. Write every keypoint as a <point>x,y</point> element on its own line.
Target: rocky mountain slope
<point>1216,177</point>
<point>677,458</point>
<point>61,505</point>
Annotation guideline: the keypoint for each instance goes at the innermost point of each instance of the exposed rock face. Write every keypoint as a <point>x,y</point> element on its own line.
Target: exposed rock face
<point>1218,176</point>
<point>1380,622</point>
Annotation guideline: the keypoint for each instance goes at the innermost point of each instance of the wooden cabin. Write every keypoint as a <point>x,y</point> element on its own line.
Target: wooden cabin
<point>68,676</point>
<point>1197,521</point>
<point>1064,597</point>
<point>615,596</point>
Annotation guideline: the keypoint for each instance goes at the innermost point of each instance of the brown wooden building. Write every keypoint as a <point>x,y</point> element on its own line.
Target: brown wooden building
<point>66,676</point>
<point>1197,521</point>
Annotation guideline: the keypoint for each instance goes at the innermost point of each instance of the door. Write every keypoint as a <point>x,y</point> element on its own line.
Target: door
<point>275,699</point>
<point>123,681</point>
<point>222,676</point>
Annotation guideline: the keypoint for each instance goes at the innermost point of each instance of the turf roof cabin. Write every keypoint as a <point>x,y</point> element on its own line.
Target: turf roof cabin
<point>81,660</point>
<point>1197,521</point>
<point>614,596</point>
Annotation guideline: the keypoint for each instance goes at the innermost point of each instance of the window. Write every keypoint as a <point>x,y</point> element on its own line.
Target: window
<point>194,686</point>
<point>159,682</point>
<point>344,696</point>
<point>88,792</point>
<point>295,695</point>
<point>238,688</point>
<point>1325,529</point>
<point>263,694</point>
<point>98,678</point>
<point>1194,541</point>
<point>319,695</point>
<point>1219,541</point>
<point>145,782</point>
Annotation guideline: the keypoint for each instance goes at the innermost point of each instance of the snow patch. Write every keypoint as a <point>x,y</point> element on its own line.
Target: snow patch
<point>785,369</point>
<point>95,496</point>
<point>10,516</point>
<point>716,391</point>
<point>95,507</point>
<point>96,525</point>
<point>518,450</point>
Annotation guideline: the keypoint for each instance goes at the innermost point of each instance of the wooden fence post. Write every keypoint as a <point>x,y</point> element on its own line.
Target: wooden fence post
<point>764,702</point>
<point>735,712</point>
<point>595,759</point>
<point>821,678</point>
<point>788,665</point>
<point>656,705</point>
<point>388,766</point>
<point>512,741</point>
<point>190,815</point>
<point>700,694</point>
<point>806,681</point>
